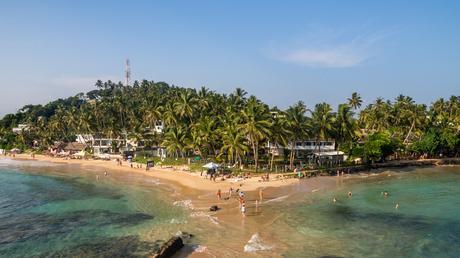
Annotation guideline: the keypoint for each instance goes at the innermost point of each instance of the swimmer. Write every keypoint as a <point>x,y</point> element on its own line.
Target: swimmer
<point>385,194</point>
<point>350,194</point>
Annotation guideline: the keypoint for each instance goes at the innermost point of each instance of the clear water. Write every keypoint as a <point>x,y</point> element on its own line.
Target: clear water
<point>426,224</point>
<point>61,216</point>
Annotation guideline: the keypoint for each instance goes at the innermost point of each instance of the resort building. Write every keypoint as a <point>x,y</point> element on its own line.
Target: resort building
<point>103,146</point>
<point>20,128</point>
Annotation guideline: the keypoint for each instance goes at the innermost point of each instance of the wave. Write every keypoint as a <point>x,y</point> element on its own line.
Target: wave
<point>214,220</point>
<point>187,204</point>
<point>255,244</point>
<point>277,199</point>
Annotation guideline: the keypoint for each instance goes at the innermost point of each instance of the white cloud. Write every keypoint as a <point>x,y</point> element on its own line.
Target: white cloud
<point>329,49</point>
<point>333,57</point>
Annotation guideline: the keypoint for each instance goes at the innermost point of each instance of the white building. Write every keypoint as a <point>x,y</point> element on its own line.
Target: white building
<point>20,128</point>
<point>305,146</point>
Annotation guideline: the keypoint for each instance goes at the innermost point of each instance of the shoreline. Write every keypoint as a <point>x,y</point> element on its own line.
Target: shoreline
<point>192,180</point>
<point>196,195</point>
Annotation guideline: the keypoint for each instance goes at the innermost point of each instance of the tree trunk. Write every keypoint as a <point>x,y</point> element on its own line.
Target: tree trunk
<point>410,131</point>
<point>271,161</point>
<point>256,155</point>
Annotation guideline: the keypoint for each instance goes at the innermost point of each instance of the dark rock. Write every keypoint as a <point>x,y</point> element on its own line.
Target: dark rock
<point>214,208</point>
<point>169,248</point>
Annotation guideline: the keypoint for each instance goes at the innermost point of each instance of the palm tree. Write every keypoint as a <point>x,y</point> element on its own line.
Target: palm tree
<point>355,100</point>
<point>185,105</point>
<point>174,141</point>
<point>280,133</point>
<point>345,124</point>
<point>256,125</point>
<point>297,126</point>
<point>322,122</point>
<point>233,141</point>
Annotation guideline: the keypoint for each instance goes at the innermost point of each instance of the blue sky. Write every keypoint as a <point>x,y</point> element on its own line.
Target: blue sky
<point>280,51</point>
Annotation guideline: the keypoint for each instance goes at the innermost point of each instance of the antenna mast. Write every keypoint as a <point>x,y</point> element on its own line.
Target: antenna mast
<point>127,73</point>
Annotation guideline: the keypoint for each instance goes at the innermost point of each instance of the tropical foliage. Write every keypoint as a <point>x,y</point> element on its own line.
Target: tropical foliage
<point>236,128</point>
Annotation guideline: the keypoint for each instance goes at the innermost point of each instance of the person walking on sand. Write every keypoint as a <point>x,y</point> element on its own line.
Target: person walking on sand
<point>230,190</point>
<point>219,194</point>
<point>243,208</point>
<point>261,194</point>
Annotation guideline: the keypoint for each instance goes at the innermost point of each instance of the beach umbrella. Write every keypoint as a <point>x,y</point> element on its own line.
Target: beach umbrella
<point>211,165</point>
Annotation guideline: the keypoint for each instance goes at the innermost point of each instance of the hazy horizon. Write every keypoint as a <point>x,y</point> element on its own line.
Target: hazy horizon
<point>279,52</point>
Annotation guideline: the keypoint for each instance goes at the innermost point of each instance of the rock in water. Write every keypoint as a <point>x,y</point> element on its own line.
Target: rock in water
<point>169,248</point>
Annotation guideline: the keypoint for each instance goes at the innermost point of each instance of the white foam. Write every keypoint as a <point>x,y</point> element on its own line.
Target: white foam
<point>277,199</point>
<point>153,181</point>
<point>200,248</point>
<point>214,220</point>
<point>255,244</point>
<point>176,221</point>
<point>187,204</point>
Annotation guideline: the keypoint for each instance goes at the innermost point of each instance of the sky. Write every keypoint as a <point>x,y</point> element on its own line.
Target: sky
<point>280,51</point>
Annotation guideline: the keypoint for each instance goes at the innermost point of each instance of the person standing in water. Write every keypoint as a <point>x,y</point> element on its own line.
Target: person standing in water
<point>261,194</point>
<point>350,194</point>
<point>219,194</point>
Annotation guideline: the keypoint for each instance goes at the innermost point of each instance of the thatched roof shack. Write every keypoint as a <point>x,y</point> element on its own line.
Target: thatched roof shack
<point>74,147</point>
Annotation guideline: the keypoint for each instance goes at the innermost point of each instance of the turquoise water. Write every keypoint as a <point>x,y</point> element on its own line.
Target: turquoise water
<point>61,215</point>
<point>426,224</point>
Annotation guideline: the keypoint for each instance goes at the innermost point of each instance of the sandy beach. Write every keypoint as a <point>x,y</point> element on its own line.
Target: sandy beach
<point>175,175</point>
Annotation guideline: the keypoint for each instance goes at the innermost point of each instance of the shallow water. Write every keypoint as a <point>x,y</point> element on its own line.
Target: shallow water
<point>62,215</point>
<point>67,212</point>
<point>426,224</point>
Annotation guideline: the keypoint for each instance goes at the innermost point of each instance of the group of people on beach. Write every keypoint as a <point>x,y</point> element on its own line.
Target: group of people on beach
<point>241,198</point>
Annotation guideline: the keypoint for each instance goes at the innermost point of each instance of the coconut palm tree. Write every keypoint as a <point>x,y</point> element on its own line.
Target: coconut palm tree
<point>256,125</point>
<point>298,127</point>
<point>233,140</point>
<point>355,100</point>
<point>345,124</point>
<point>175,141</point>
<point>322,119</point>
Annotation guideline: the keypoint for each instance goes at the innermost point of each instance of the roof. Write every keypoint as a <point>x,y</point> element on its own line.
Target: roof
<point>75,146</point>
<point>329,153</point>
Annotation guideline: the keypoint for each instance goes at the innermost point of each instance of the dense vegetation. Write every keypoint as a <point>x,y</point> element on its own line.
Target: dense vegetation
<point>236,127</point>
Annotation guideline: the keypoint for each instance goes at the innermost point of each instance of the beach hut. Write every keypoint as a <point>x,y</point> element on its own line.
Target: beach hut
<point>74,147</point>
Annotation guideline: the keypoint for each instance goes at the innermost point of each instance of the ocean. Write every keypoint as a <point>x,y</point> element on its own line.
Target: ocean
<point>67,212</point>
